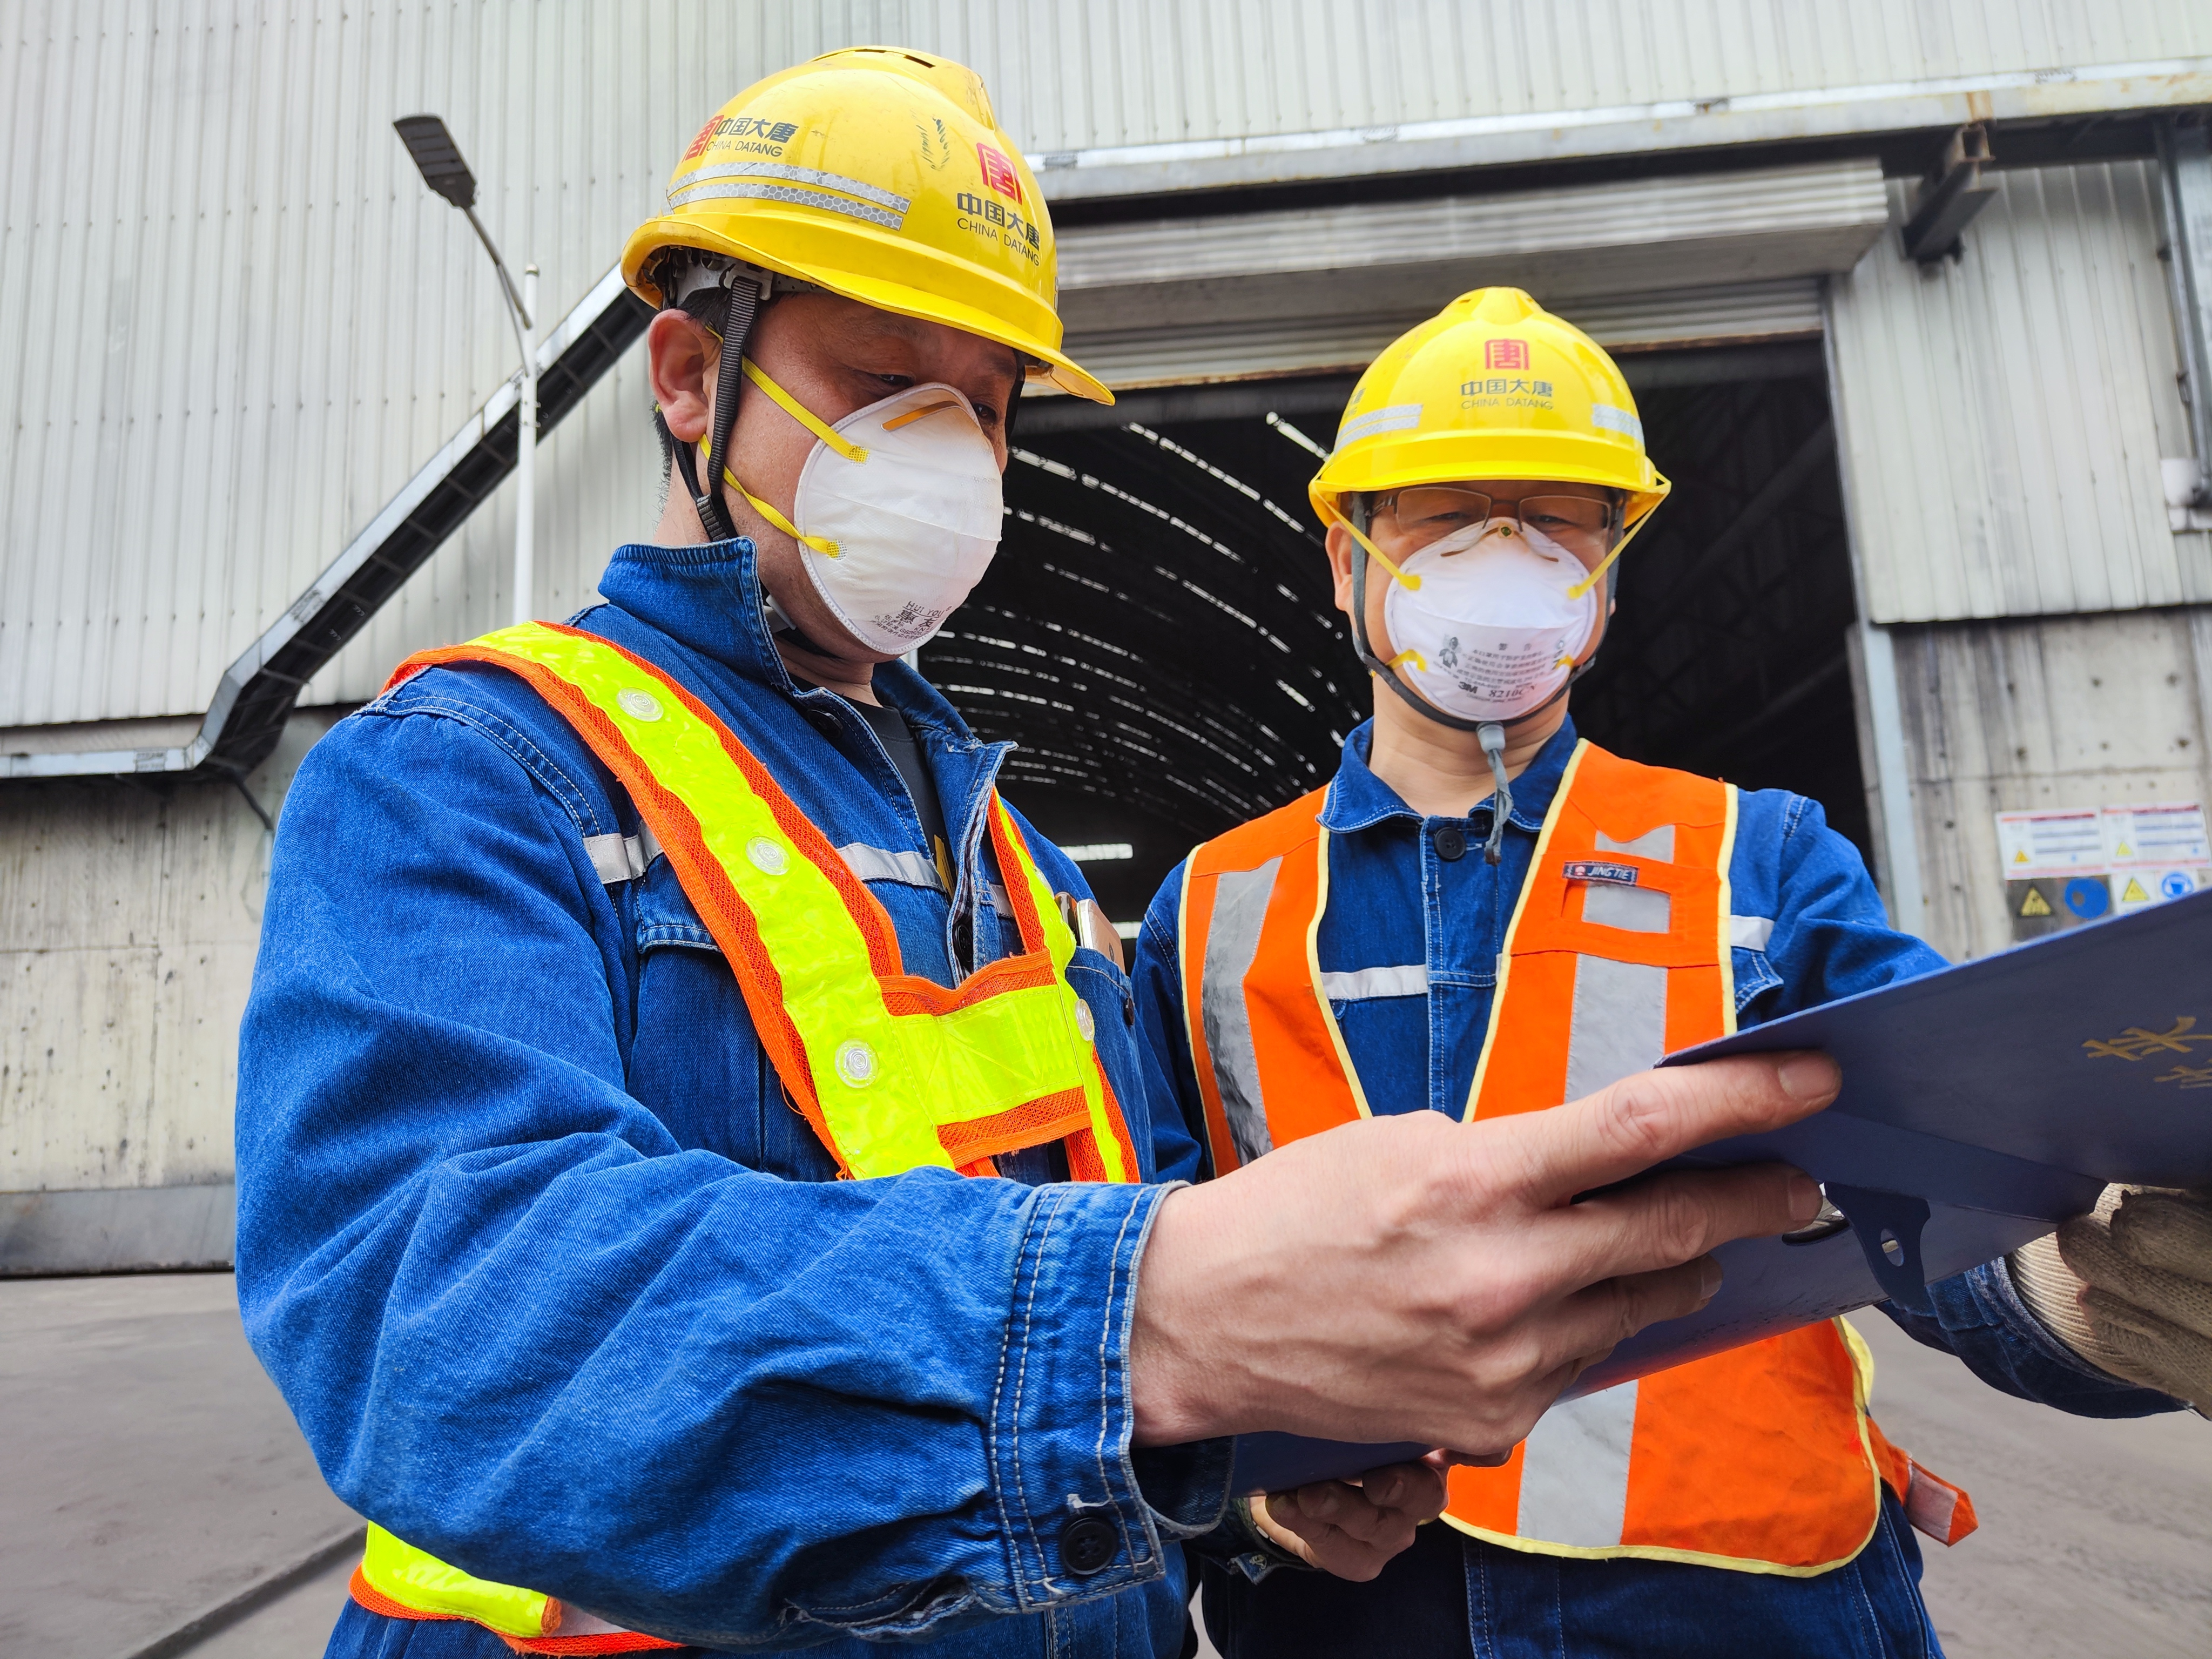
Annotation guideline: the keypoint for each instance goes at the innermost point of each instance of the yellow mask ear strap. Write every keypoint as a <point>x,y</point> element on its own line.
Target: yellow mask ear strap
<point>1605,564</point>
<point>798,412</point>
<point>1374,552</point>
<point>821,544</point>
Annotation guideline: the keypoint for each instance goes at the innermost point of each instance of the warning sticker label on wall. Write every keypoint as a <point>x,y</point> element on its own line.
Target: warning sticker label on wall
<point>2050,843</point>
<point>2155,837</point>
<point>2067,867</point>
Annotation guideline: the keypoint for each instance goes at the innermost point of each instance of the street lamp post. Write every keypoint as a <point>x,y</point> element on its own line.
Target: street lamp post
<point>447,174</point>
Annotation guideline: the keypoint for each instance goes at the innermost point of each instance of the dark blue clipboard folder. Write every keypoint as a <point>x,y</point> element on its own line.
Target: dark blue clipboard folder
<point>1982,1105</point>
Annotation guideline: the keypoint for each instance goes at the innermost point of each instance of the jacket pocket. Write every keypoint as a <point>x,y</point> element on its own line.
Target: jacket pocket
<point>697,1062</point>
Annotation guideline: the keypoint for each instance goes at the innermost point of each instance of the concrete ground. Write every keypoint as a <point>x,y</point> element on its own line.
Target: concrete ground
<point>153,1477</point>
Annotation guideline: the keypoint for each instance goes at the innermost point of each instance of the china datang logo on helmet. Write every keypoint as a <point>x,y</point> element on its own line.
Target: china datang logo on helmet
<point>880,176</point>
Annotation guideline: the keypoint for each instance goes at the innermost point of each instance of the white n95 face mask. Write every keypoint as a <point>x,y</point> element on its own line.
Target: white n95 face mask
<point>897,511</point>
<point>1493,630</point>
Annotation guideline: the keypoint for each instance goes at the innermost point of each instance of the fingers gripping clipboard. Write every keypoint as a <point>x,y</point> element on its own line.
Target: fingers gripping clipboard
<point>1982,1105</point>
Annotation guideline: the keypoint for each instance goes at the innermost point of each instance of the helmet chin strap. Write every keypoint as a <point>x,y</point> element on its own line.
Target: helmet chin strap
<point>1490,734</point>
<point>747,291</point>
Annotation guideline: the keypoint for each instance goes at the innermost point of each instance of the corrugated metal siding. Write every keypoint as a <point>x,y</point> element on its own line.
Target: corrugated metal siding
<point>1359,259</point>
<point>235,322</point>
<point>1075,75</point>
<point>2003,416</point>
<point>1838,201</point>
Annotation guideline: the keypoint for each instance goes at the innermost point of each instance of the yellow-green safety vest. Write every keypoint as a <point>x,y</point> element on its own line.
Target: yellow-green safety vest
<point>892,1070</point>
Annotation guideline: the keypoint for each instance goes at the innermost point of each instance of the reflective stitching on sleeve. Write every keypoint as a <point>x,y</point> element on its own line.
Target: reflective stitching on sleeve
<point>909,868</point>
<point>1750,932</point>
<point>617,858</point>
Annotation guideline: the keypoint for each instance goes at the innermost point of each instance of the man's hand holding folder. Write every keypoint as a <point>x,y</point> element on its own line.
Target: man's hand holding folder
<point>1411,1279</point>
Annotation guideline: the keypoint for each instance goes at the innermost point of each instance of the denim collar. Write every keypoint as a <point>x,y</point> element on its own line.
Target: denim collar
<point>1358,799</point>
<point>708,599</point>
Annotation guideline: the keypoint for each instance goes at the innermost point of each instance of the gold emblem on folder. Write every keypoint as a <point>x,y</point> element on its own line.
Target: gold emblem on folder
<point>2137,1043</point>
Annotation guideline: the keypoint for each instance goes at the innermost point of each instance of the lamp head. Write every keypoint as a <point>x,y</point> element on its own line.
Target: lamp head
<point>438,157</point>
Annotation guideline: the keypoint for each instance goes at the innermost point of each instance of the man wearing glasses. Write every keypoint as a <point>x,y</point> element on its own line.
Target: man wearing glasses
<point>1483,915</point>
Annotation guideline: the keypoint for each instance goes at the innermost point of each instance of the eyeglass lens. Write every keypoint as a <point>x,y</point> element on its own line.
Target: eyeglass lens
<point>1430,512</point>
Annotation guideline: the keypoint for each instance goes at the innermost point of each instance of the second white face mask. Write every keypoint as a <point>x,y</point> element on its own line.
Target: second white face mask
<point>915,524</point>
<point>1495,623</point>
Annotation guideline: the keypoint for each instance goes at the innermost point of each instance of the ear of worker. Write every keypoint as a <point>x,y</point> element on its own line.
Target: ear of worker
<point>2129,1288</point>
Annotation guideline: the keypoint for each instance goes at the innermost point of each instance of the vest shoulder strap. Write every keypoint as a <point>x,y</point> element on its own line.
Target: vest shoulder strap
<point>1617,952</point>
<point>1251,902</point>
<point>1271,835</point>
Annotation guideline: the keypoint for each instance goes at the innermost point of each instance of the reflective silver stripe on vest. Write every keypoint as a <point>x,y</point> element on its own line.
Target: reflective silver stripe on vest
<point>1411,979</point>
<point>1619,1022</point>
<point>906,867</point>
<point>1635,909</point>
<point>622,858</point>
<point>1240,905</point>
<point>1574,1471</point>
<point>1619,1019</point>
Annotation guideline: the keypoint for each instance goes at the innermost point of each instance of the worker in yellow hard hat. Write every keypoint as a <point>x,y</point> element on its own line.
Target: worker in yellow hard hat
<point>698,1183</point>
<point>1482,916</point>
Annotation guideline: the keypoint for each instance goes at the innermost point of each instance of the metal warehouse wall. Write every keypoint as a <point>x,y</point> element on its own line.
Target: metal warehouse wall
<point>2042,712</point>
<point>236,322</point>
<point>129,919</point>
<point>2003,414</point>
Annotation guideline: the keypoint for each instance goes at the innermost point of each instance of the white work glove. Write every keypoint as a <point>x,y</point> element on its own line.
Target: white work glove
<point>2129,1288</point>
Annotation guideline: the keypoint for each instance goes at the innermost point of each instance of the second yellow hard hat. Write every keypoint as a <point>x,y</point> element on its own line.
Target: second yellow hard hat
<point>1493,386</point>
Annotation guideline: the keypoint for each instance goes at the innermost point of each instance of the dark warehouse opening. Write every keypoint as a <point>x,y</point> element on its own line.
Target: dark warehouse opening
<point>1157,636</point>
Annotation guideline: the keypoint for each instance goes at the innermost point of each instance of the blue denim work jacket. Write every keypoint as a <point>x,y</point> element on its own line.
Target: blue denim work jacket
<point>559,1286</point>
<point>1809,928</point>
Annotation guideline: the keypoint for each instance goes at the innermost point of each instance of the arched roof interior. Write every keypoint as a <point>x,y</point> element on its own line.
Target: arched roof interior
<point>1158,638</point>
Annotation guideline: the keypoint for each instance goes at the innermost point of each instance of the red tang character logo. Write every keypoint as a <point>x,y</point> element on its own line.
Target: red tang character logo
<point>998,172</point>
<point>1505,354</point>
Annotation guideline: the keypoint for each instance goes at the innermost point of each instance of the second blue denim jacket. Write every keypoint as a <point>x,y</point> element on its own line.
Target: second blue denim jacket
<point>1811,928</point>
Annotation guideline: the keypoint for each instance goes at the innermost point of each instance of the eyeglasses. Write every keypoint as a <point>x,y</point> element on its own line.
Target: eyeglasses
<point>1428,512</point>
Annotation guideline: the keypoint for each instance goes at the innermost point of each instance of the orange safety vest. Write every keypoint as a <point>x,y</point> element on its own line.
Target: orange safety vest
<point>1763,1459</point>
<point>892,1070</point>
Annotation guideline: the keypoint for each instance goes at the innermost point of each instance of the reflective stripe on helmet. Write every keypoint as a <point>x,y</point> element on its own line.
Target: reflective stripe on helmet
<point>1493,386</point>
<point>881,175</point>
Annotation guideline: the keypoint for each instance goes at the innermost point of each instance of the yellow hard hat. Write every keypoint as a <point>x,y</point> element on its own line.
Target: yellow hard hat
<point>1491,386</point>
<point>882,175</point>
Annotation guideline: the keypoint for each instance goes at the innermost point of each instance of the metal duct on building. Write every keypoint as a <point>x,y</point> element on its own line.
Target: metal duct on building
<point>1639,235</point>
<point>1128,360</point>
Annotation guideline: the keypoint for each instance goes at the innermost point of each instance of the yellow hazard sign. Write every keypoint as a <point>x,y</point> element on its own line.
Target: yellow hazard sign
<point>2135,894</point>
<point>2035,904</point>
<point>2124,851</point>
<point>2020,857</point>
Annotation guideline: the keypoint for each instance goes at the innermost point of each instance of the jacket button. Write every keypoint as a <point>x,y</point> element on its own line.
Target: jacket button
<point>1451,844</point>
<point>1087,1544</point>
